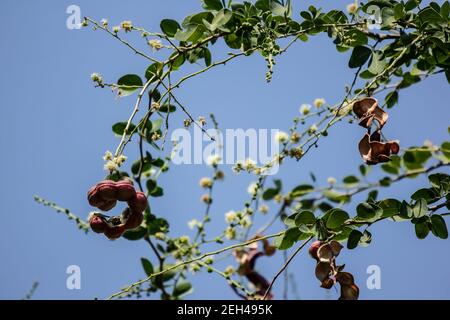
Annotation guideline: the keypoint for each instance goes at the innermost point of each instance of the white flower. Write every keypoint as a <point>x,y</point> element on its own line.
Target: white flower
<point>281,137</point>
<point>263,208</point>
<point>155,44</point>
<point>205,182</point>
<point>319,102</point>
<point>312,129</point>
<point>230,216</point>
<point>230,233</point>
<point>249,164</point>
<point>252,188</point>
<point>352,8</point>
<point>104,22</point>
<point>120,160</point>
<point>193,223</point>
<point>96,77</point>
<point>108,156</point>
<point>213,160</point>
<point>331,180</point>
<point>305,108</point>
<point>110,166</point>
<point>126,25</point>
<point>245,222</point>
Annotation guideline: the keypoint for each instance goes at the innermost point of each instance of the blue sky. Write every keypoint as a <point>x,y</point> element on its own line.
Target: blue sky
<point>55,128</point>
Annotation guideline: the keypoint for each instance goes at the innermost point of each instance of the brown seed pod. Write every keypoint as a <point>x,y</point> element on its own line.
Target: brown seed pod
<point>313,249</point>
<point>132,219</point>
<point>328,283</point>
<point>336,247</point>
<point>125,190</point>
<point>325,253</point>
<point>138,203</point>
<point>345,278</point>
<point>322,271</point>
<point>367,110</point>
<point>98,223</point>
<point>115,232</point>
<point>350,292</point>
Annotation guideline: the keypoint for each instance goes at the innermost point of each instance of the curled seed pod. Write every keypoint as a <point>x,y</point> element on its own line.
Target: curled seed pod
<point>313,249</point>
<point>139,203</point>
<point>345,278</point>
<point>98,223</point>
<point>114,232</point>
<point>125,190</point>
<point>350,292</point>
<point>327,283</point>
<point>107,190</point>
<point>325,253</point>
<point>336,247</point>
<point>132,219</point>
<point>322,271</point>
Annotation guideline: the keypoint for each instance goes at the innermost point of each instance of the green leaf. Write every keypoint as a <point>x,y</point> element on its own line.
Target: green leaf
<point>387,17</point>
<point>422,230</point>
<point>157,192</point>
<point>390,207</point>
<point>420,208</point>
<point>337,218</point>
<point>128,84</point>
<point>154,72</point>
<point>367,211</point>
<point>353,239</point>
<point>391,99</point>
<point>220,19</point>
<point>182,288</point>
<point>170,27</point>
<point>287,240</point>
<point>305,217</point>
<point>335,196</point>
<point>269,194</point>
<point>440,181</point>
<point>212,5</point>
<point>301,190</point>
<point>438,226</point>
<point>119,128</point>
<point>415,158</point>
<point>359,56</point>
<point>192,34</point>
<point>135,234</point>
<point>378,63</point>
<point>351,181</point>
<point>355,37</point>
<point>429,194</point>
<point>148,267</point>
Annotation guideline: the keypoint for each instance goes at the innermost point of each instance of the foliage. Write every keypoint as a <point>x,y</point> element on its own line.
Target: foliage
<point>410,45</point>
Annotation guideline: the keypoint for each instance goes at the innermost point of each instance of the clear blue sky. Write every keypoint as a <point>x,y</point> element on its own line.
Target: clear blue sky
<point>55,128</point>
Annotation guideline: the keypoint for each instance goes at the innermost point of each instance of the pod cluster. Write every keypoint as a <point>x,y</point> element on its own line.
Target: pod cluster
<point>104,195</point>
<point>371,147</point>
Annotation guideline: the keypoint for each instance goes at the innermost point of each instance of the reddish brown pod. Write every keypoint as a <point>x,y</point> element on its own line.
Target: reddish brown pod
<point>115,232</point>
<point>349,292</point>
<point>125,190</point>
<point>98,223</point>
<point>132,219</point>
<point>314,248</point>
<point>138,203</point>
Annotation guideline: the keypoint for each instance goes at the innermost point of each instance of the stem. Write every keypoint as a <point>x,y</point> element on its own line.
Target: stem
<point>285,266</point>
